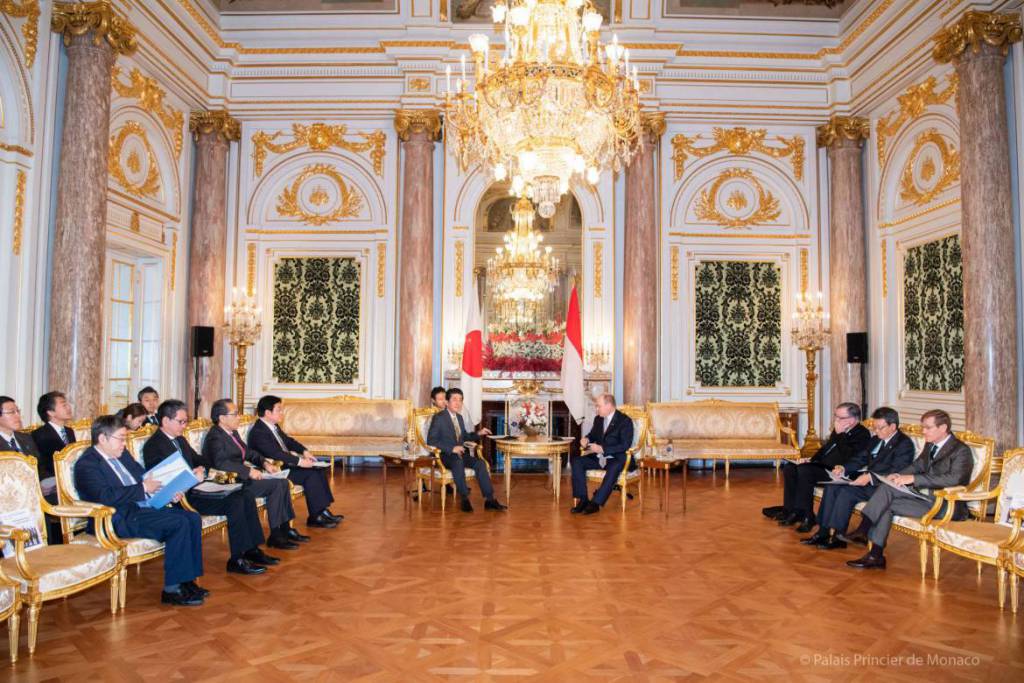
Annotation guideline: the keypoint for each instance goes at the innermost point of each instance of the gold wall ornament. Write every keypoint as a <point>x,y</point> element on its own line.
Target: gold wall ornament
<point>927,169</point>
<point>674,272</point>
<point>913,103</point>
<point>442,10</point>
<point>174,258</point>
<point>909,189</point>
<point>653,124</point>
<point>135,225</point>
<point>598,269</point>
<point>148,186</point>
<point>319,196</point>
<point>460,262</point>
<point>409,121</point>
<point>419,84</point>
<point>382,267</point>
<point>804,271</point>
<point>19,212</point>
<point>885,269</point>
<point>29,11</point>
<point>739,141</point>
<point>250,270</point>
<point>737,201</point>
<point>202,122</point>
<point>318,137</point>
<point>766,211</point>
<point>972,30</point>
<point>348,204</point>
<point>150,97</point>
<point>843,128</point>
<point>16,149</point>
<point>78,18</point>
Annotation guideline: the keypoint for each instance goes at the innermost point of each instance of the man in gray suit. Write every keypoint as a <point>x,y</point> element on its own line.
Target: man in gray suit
<point>945,461</point>
<point>448,434</point>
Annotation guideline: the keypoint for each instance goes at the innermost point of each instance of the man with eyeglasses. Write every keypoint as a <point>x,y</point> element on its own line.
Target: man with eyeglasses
<point>108,475</point>
<point>245,533</point>
<point>10,422</point>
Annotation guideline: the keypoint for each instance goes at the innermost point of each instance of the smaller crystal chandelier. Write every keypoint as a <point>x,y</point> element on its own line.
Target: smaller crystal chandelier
<point>521,274</point>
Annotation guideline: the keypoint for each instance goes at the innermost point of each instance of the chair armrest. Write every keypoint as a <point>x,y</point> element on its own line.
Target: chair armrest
<point>791,433</point>
<point>1015,543</point>
<point>81,508</point>
<point>19,537</point>
<point>955,493</point>
<point>926,520</point>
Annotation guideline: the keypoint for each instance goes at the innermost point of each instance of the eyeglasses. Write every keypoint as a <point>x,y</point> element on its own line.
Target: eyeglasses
<point>15,411</point>
<point>181,422</point>
<point>114,437</point>
<point>231,414</point>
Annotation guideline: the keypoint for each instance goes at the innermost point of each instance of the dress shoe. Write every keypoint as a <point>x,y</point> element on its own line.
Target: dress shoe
<point>321,522</point>
<point>257,556</point>
<point>465,505</point>
<point>773,512</point>
<point>592,509</point>
<point>294,535</point>
<point>579,507</point>
<point>858,537</point>
<point>493,504</point>
<point>281,543</point>
<point>244,566</point>
<point>181,599</point>
<point>806,524</point>
<point>790,519</point>
<point>869,561</point>
<point>816,539</point>
<point>832,543</point>
<point>193,587</point>
<point>331,516</point>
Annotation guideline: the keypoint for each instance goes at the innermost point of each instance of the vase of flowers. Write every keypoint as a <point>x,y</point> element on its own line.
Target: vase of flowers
<point>531,418</point>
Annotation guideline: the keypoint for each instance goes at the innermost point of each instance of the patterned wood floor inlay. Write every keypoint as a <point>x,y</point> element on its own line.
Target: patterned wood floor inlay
<point>719,593</point>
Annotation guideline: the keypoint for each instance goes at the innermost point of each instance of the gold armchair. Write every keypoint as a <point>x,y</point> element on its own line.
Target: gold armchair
<point>47,572</point>
<point>10,596</point>
<point>641,421</point>
<point>436,471</point>
<point>137,440</point>
<point>1013,556</point>
<point>136,550</point>
<point>195,432</point>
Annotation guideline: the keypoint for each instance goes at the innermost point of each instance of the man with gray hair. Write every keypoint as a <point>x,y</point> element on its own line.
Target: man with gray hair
<point>606,445</point>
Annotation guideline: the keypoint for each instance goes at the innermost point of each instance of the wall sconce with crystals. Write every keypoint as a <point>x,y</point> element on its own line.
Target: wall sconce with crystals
<point>810,334</point>
<point>242,322</point>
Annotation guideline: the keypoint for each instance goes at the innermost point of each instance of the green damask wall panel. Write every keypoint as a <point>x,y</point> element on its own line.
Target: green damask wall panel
<point>933,322</point>
<point>738,324</point>
<point>316,320</point>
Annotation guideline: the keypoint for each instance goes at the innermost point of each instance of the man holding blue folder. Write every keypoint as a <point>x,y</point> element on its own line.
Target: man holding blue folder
<point>107,474</point>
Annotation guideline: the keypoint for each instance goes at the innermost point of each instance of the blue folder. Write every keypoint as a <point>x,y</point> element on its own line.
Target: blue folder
<point>183,481</point>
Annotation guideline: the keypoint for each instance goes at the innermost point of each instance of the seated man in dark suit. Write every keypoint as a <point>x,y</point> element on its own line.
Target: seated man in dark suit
<point>245,532</point>
<point>268,440</point>
<point>847,446</point>
<point>449,435</point>
<point>107,474</point>
<point>607,443</point>
<point>223,448</point>
<point>55,412</point>
<point>889,452</point>
<point>150,400</point>
<point>945,461</point>
<point>13,440</point>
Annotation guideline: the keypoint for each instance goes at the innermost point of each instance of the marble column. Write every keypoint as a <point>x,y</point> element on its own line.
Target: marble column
<point>978,44</point>
<point>640,279</point>
<point>417,129</point>
<point>843,137</point>
<point>93,36</point>
<point>213,132</point>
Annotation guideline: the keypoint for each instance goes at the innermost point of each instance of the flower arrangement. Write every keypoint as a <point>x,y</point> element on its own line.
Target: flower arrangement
<point>530,417</point>
<point>538,349</point>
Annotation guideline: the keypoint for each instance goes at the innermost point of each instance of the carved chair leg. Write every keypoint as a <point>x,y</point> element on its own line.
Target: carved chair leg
<point>1001,580</point>
<point>13,627</point>
<point>115,591</point>
<point>443,492</point>
<point>1014,590</point>
<point>122,587</point>
<point>33,624</point>
<point>979,571</point>
<point>922,546</point>
<point>727,469</point>
<point>936,552</point>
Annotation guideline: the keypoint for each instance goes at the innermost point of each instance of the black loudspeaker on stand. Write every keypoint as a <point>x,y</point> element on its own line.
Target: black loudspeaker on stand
<point>857,352</point>
<point>202,347</point>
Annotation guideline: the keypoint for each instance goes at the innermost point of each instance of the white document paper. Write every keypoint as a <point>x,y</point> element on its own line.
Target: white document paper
<point>214,487</point>
<point>901,487</point>
<point>283,474</point>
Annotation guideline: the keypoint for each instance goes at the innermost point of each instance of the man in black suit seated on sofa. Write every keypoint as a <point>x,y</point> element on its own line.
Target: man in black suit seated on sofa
<point>245,532</point>
<point>607,443</point>
<point>847,446</point>
<point>55,412</point>
<point>223,448</point>
<point>108,475</point>
<point>448,434</point>
<point>268,440</point>
<point>890,451</point>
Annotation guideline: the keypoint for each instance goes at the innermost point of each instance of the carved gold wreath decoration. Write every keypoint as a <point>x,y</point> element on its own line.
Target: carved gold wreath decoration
<point>349,200</point>
<point>909,190</point>
<point>151,184</point>
<point>767,204</point>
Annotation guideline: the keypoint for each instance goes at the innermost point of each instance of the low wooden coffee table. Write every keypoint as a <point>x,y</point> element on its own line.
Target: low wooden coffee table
<point>546,448</point>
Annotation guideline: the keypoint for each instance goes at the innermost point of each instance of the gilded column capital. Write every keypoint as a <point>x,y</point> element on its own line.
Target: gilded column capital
<point>840,129</point>
<point>202,122</point>
<point>412,121</point>
<point>653,124</point>
<point>973,30</point>
<point>78,18</point>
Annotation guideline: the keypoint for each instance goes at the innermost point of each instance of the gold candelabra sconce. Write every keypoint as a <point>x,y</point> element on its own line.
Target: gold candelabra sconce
<point>810,334</point>
<point>454,355</point>
<point>243,324</point>
<point>597,355</point>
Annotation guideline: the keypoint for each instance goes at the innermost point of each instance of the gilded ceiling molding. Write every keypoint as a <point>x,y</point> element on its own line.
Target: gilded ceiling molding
<point>974,29</point>
<point>913,103</point>
<point>318,137</point>
<point>766,211</point>
<point>412,121</point>
<point>348,203</point>
<point>840,129</point>
<point>150,97</point>
<point>739,141</point>
<point>149,186</point>
<point>78,18</point>
<point>910,189</point>
<point>29,11</point>
<point>203,122</point>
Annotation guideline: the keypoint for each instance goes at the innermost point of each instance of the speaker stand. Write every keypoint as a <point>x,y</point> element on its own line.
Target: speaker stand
<point>195,411</point>
<point>863,391</point>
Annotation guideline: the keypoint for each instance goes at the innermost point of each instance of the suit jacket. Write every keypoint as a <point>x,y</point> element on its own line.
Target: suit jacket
<point>159,446</point>
<point>223,453</point>
<point>441,434</point>
<point>262,444</point>
<point>27,445</point>
<point>615,440</point>
<point>951,466</point>
<point>48,442</point>
<point>893,457</point>
<point>97,483</point>
<point>151,420</point>
<point>849,449</point>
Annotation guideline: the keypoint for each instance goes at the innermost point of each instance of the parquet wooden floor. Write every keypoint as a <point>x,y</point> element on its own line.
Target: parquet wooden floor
<point>718,594</point>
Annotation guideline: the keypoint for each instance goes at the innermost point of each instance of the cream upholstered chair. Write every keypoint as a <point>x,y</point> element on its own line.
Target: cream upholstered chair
<point>1013,557</point>
<point>195,431</point>
<point>10,596</point>
<point>137,441</point>
<point>436,471</point>
<point>82,429</point>
<point>137,550</point>
<point>47,572</point>
<point>245,423</point>
<point>641,423</point>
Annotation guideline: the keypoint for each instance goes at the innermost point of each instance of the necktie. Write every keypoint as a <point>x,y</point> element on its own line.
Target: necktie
<point>934,452</point>
<point>123,474</point>
<point>14,444</point>
<point>280,441</point>
<point>607,423</point>
<point>64,436</point>
<point>879,447</point>
<point>238,442</point>
<point>455,423</point>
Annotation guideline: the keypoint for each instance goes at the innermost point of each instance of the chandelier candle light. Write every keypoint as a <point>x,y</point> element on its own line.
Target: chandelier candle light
<point>556,105</point>
<point>243,326</point>
<point>521,274</point>
<point>810,334</point>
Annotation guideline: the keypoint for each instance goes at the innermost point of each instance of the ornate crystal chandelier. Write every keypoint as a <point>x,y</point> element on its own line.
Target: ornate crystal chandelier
<point>521,274</point>
<point>556,105</point>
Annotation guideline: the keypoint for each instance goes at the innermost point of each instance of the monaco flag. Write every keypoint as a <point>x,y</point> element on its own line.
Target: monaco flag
<point>572,359</point>
<point>473,361</point>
